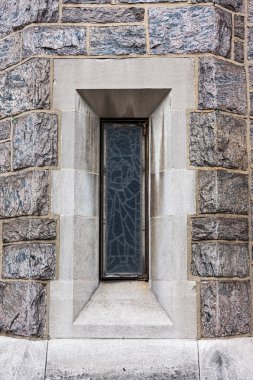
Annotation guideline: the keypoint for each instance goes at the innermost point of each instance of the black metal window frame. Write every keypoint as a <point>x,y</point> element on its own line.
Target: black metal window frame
<point>144,123</point>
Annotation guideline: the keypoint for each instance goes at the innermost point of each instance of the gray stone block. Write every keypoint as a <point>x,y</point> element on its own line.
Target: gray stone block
<point>28,229</point>
<point>250,43</point>
<point>5,129</point>
<point>250,11</point>
<point>10,51</point>
<point>218,228</point>
<point>5,157</point>
<point>235,5</point>
<point>103,15</point>
<point>239,26</point>
<point>208,30</point>
<point>54,40</point>
<point>251,76</point>
<point>222,85</point>
<point>35,140</point>
<point>24,194</point>
<point>23,308</point>
<point>29,261</point>
<point>220,259</point>
<point>251,139</point>
<point>85,1</point>
<point>118,40</point>
<point>251,103</point>
<point>239,51</point>
<point>225,308</point>
<point>29,82</point>
<point>222,192</point>
<point>17,14</point>
<point>217,139</point>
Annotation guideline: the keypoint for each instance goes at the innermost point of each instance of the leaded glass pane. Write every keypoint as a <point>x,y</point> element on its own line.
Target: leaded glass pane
<point>123,196</point>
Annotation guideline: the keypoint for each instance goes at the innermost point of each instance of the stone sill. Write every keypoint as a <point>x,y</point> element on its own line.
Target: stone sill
<point>99,359</point>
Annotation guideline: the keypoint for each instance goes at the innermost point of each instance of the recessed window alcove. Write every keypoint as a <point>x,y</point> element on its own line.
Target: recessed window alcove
<point>80,304</point>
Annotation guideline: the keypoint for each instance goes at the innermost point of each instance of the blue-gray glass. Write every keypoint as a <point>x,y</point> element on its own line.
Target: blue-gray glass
<point>123,199</point>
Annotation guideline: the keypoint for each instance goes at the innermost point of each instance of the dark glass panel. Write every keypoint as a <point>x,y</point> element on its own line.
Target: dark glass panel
<point>123,194</point>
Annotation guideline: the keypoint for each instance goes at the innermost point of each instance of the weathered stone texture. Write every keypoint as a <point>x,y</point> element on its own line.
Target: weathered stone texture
<point>29,82</point>
<point>217,139</point>
<point>23,308</point>
<point>16,14</point>
<point>220,260</point>
<point>211,228</point>
<point>250,43</point>
<point>222,85</point>
<point>29,261</point>
<point>235,5</point>
<point>24,194</point>
<point>152,1</point>
<point>118,40</point>
<point>251,103</point>
<point>103,15</point>
<point>5,129</point>
<point>250,11</point>
<point>225,308</point>
<point>5,157</point>
<point>28,229</point>
<point>239,51</point>
<point>251,76</point>
<point>223,192</point>
<point>251,139</point>
<point>239,26</point>
<point>10,51</point>
<point>35,140</point>
<point>85,1</point>
<point>190,30</point>
<point>54,40</point>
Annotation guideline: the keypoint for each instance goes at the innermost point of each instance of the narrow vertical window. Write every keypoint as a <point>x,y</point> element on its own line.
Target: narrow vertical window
<point>123,199</point>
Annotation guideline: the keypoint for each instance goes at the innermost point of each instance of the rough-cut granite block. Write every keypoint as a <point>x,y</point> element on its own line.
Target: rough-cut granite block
<point>35,140</point>
<point>29,261</point>
<point>5,157</point>
<point>251,139</point>
<point>250,11</point>
<point>211,228</point>
<point>16,14</point>
<point>250,43</point>
<point>151,1</point>
<point>118,40</point>
<point>28,229</point>
<point>225,308</point>
<point>251,103</point>
<point>10,51</point>
<point>222,192</point>
<point>29,82</point>
<point>235,5</point>
<point>217,139</point>
<point>251,76</point>
<point>222,85</point>
<point>208,30</point>
<point>220,259</point>
<point>103,15</point>
<point>23,308</point>
<point>5,129</point>
<point>239,26</point>
<point>54,40</point>
<point>85,1</point>
<point>24,194</point>
<point>239,51</point>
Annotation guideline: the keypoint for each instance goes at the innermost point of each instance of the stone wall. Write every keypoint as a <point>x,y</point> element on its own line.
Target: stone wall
<point>32,34</point>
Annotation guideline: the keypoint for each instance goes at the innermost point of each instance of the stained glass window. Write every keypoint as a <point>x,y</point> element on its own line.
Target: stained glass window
<point>123,216</point>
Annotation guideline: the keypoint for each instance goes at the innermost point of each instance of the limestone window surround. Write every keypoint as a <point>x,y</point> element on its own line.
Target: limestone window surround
<point>86,90</point>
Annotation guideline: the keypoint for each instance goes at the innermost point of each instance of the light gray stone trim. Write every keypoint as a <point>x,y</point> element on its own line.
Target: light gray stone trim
<point>75,190</point>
